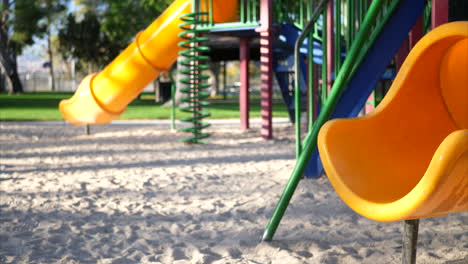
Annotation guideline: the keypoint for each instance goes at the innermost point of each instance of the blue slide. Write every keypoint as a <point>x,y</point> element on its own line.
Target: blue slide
<point>283,65</point>
<point>372,68</point>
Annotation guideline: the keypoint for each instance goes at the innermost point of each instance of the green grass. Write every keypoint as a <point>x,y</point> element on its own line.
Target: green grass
<point>44,107</point>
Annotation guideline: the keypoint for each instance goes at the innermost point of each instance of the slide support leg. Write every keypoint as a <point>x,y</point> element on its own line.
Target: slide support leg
<point>410,241</point>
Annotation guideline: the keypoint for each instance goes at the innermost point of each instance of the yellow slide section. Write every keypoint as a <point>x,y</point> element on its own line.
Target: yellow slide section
<point>102,97</point>
<point>409,158</point>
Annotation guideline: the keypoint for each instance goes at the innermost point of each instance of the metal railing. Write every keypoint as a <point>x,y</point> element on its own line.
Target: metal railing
<point>248,16</point>
<point>294,12</point>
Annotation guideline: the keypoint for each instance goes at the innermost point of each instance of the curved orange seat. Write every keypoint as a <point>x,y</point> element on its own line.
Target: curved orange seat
<point>409,158</point>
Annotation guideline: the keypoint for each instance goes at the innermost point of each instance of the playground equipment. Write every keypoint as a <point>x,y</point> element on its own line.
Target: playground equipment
<point>413,162</point>
<point>409,158</point>
<point>103,97</point>
<point>195,85</point>
<point>371,50</point>
<point>386,31</point>
<point>368,32</point>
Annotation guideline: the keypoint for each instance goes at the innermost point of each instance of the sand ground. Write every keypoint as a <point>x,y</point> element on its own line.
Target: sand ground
<point>131,193</point>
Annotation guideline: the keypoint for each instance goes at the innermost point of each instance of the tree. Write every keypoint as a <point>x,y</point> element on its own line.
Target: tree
<point>88,5</point>
<point>215,69</point>
<point>84,41</point>
<point>52,11</point>
<point>121,20</point>
<point>18,25</point>
<point>100,29</point>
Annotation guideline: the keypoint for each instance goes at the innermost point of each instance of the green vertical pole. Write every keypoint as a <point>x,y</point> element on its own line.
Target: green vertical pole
<point>360,5</point>
<point>210,10</point>
<point>173,108</point>
<point>301,13</point>
<point>351,21</point>
<point>337,36</point>
<point>310,142</point>
<point>248,11</point>
<point>427,17</point>
<point>242,11</point>
<point>375,33</point>
<point>297,71</point>
<point>324,90</point>
<point>255,13</point>
<point>173,102</point>
<point>348,25</point>
<point>311,83</point>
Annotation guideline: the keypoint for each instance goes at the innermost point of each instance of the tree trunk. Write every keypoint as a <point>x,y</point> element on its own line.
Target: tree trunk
<point>179,85</point>
<point>10,71</point>
<point>215,68</point>
<point>8,52</point>
<point>51,64</point>
<point>16,82</point>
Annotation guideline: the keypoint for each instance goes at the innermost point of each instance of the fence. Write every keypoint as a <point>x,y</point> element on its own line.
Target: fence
<point>41,82</point>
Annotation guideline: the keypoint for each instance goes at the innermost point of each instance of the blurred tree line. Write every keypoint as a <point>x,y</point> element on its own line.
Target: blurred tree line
<point>91,35</point>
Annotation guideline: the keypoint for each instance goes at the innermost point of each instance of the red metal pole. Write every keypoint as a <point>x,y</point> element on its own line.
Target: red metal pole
<point>439,12</point>
<point>316,95</point>
<point>266,68</point>
<point>245,85</point>
<point>414,36</point>
<point>416,32</point>
<point>401,54</point>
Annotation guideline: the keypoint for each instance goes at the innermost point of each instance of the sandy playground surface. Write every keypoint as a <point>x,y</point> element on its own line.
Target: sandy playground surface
<point>131,193</point>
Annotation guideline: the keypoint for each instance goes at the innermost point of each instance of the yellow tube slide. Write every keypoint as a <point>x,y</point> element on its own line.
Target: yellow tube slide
<point>103,97</point>
<point>409,158</point>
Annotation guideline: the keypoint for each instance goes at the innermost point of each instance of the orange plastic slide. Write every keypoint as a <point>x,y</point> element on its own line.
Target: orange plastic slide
<point>409,158</point>
<point>103,97</point>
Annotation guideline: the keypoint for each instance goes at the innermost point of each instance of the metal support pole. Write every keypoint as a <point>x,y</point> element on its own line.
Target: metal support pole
<point>308,29</point>
<point>401,54</point>
<point>244,83</point>
<point>310,142</point>
<point>337,61</point>
<point>416,33</point>
<point>173,101</point>
<point>224,80</point>
<point>173,105</point>
<point>330,45</point>
<point>410,241</point>
<point>266,68</point>
<point>439,12</point>
<point>324,87</point>
<point>311,91</point>
<point>87,130</point>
